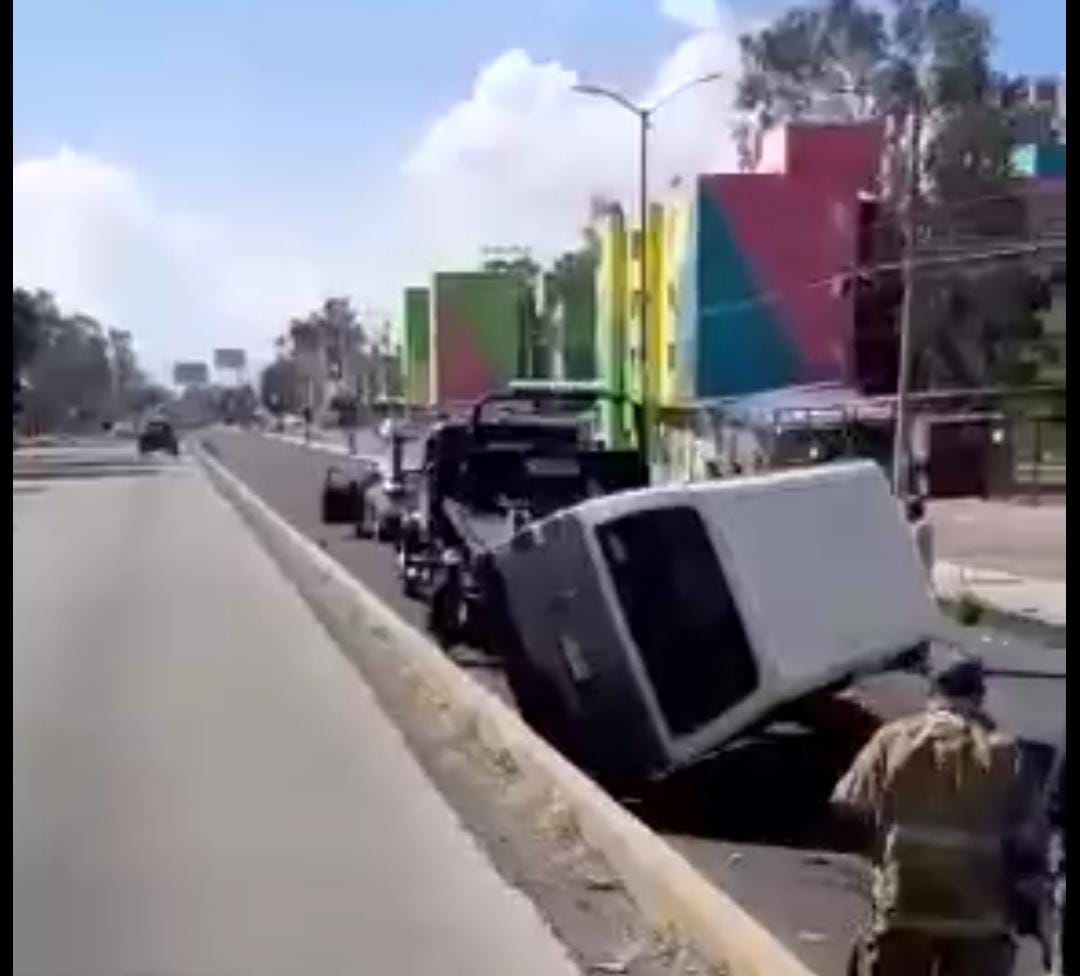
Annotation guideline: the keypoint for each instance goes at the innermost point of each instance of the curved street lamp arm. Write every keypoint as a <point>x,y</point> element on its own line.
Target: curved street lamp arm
<point>612,95</point>
<point>676,92</point>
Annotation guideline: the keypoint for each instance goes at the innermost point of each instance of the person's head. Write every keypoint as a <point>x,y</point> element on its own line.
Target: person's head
<point>960,680</point>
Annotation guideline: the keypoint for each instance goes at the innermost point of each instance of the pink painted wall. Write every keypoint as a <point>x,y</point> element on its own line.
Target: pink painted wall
<point>772,248</point>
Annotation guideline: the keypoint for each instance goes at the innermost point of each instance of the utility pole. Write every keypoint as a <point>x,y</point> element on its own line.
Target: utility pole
<point>645,420</point>
<point>901,453</point>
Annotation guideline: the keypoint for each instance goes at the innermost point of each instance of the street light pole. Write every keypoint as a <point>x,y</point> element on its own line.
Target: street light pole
<point>645,420</point>
<point>644,114</point>
<point>901,453</point>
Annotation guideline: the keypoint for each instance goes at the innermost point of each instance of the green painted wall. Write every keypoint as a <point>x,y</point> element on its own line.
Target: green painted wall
<point>417,347</point>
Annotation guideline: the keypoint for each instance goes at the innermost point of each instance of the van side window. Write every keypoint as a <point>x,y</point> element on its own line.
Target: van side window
<point>681,614</point>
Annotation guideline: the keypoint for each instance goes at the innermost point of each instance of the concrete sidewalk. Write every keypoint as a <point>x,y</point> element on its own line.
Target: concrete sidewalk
<point>1009,555</point>
<point>1042,600</point>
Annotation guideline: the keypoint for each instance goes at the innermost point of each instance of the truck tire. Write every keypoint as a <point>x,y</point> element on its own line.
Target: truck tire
<point>410,586</point>
<point>442,617</point>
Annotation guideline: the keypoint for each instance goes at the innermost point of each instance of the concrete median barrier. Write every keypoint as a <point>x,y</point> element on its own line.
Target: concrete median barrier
<point>673,896</point>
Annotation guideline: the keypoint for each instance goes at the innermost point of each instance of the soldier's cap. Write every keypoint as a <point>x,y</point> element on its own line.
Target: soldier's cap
<point>960,676</point>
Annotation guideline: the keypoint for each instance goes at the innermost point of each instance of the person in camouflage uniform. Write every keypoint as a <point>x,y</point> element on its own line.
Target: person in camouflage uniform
<point>940,796</point>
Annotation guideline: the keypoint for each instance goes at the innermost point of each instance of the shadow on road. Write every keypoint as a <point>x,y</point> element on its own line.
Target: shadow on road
<point>768,788</point>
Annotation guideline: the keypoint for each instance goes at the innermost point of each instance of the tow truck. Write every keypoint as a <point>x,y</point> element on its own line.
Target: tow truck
<point>520,454</point>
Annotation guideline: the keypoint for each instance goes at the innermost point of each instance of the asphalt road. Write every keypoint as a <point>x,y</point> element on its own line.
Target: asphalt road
<point>201,783</point>
<point>742,820</point>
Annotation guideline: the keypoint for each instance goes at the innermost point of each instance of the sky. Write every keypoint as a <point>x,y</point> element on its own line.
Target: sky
<point>199,171</point>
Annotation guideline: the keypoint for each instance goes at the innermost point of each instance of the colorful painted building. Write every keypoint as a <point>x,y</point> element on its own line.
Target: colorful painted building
<point>483,325</point>
<point>417,346</point>
<point>754,263</point>
<point>613,299</point>
<point>744,273</point>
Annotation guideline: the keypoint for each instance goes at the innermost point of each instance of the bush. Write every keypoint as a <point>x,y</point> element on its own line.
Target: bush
<point>967,610</point>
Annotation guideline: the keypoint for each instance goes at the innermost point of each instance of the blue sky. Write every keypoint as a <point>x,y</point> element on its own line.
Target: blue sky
<point>315,143</point>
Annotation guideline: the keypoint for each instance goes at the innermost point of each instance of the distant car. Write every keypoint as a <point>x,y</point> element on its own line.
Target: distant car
<point>158,435</point>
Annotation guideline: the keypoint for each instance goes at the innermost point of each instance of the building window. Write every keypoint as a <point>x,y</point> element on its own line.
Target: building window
<point>1046,93</point>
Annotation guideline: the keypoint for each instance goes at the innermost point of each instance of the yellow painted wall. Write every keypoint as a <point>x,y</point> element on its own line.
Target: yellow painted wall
<point>612,316</point>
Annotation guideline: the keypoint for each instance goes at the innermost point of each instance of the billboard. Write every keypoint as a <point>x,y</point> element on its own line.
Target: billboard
<point>230,359</point>
<point>191,374</point>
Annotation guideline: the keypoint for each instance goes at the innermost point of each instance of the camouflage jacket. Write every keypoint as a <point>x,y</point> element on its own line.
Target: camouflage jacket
<point>940,791</point>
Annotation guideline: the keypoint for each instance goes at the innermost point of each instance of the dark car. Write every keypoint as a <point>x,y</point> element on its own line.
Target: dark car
<point>158,435</point>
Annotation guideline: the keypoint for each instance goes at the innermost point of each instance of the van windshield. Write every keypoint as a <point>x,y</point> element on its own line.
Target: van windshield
<point>680,612</point>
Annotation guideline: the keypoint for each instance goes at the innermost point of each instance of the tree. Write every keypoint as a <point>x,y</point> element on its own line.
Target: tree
<point>825,61</point>
<point>329,345</point>
<point>569,313</point>
<point>839,60</point>
<point>281,386</point>
<point>522,265</point>
<point>77,373</point>
<point>69,373</point>
<point>147,396</point>
<point>29,313</point>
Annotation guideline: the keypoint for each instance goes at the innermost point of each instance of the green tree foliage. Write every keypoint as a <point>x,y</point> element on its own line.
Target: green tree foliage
<point>328,347</point>
<point>78,373</point>
<point>570,310</point>
<point>281,386</point>
<point>522,265</point>
<point>29,312</point>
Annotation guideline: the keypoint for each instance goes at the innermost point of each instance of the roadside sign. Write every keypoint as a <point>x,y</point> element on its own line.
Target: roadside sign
<point>230,359</point>
<point>191,374</point>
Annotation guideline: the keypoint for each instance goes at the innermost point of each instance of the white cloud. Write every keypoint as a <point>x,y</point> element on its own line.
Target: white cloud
<point>93,234</point>
<point>515,162</point>
<point>518,161</point>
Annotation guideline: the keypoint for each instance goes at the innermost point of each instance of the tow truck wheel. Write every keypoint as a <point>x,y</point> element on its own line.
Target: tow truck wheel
<point>442,621</point>
<point>410,586</point>
<point>411,577</point>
